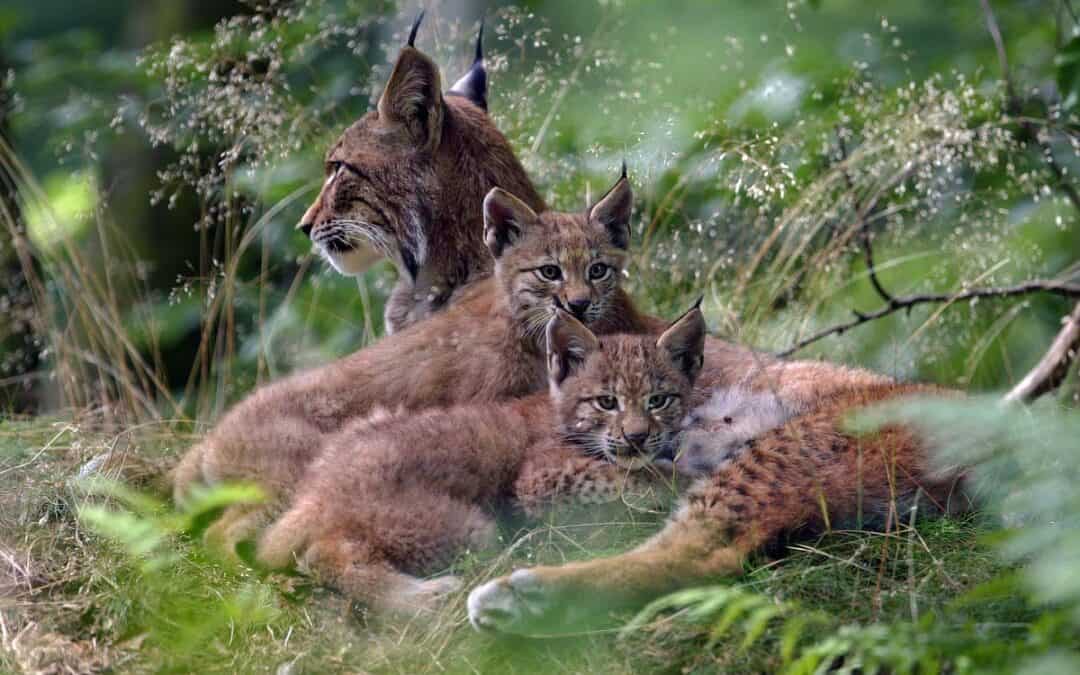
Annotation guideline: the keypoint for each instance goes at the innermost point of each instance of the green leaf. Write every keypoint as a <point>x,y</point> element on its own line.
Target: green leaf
<point>139,502</point>
<point>203,503</point>
<point>735,610</point>
<point>139,536</point>
<point>757,622</point>
<point>1067,63</point>
<point>674,601</point>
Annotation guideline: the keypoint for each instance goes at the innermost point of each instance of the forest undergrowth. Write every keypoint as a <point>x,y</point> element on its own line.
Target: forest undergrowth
<point>859,226</point>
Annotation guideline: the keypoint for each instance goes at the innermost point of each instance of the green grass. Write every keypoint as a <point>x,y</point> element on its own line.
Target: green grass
<point>73,597</point>
<point>772,263</point>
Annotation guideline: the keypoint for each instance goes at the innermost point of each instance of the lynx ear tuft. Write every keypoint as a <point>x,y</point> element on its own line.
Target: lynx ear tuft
<point>569,343</point>
<point>473,84</point>
<point>505,219</point>
<point>413,97</point>
<point>684,342</point>
<point>612,212</point>
<point>415,28</point>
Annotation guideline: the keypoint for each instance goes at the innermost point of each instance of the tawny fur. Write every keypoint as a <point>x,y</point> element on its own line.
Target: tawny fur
<point>405,498</point>
<point>398,190</point>
<point>487,346</point>
<point>805,477</point>
<point>767,396</point>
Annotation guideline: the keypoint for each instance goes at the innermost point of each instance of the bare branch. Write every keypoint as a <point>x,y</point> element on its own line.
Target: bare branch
<point>908,301</point>
<point>999,44</point>
<point>1051,370</point>
<point>863,219</point>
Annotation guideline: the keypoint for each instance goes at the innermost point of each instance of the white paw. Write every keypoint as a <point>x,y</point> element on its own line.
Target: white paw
<point>513,604</point>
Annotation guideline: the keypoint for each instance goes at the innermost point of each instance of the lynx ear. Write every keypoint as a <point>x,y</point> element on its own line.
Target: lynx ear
<point>505,219</point>
<point>684,342</point>
<point>413,97</point>
<point>569,343</point>
<point>473,84</point>
<point>612,212</point>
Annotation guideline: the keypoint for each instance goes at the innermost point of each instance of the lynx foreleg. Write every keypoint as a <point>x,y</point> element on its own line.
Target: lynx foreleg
<point>546,599</point>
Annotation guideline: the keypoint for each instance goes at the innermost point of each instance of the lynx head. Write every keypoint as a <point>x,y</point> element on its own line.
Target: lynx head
<point>406,180</point>
<point>574,260</point>
<point>623,397</point>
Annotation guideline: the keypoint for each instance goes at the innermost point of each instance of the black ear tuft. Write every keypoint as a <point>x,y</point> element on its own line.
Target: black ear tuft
<point>480,42</point>
<point>473,84</point>
<point>415,28</point>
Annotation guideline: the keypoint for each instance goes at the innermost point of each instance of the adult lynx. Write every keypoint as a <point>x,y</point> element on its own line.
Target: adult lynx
<point>406,181</point>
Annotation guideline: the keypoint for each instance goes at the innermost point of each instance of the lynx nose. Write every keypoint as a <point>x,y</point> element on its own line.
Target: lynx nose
<point>579,307</point>
<point>306,229</point>
<point>636,440</point>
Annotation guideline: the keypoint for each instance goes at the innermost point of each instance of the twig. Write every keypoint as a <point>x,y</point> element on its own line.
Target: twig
<point>999,44</point>
<point>862,217</point>
<point>1068,188</point>
<point>909,301</point>
<point>63,430</point>
<point>1052,368</point>
<point>1070,10</point>
<point>570,80</point>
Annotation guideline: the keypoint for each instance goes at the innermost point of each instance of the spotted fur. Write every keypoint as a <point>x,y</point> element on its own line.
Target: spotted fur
<point>401,499</point>
<point>805,477</point>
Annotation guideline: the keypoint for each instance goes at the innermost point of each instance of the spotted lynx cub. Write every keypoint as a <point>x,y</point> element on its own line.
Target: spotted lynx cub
<point>379,510</point>
<point>803,477</point>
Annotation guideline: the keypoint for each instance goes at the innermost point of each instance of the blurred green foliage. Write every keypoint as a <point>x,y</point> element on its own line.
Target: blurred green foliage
<point>203,144</point>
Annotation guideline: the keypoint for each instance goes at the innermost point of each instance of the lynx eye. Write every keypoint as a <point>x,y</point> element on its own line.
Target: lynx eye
<point>659,401</point>
<point>549,272</point>
<point>332,167</point>
<point>599,271</point>
<point>606,403</point>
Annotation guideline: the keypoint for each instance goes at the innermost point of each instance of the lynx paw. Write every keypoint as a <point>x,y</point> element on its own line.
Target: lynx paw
<point>519,604</point>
